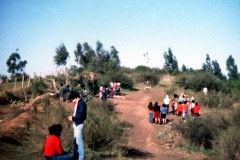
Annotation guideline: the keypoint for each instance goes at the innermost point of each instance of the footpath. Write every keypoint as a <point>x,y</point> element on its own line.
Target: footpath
<point>143,137</point>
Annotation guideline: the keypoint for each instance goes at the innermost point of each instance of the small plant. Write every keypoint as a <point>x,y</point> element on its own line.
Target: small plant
<point>165,135</point>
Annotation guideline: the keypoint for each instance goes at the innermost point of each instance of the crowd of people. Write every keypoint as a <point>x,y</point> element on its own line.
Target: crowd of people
<point>181,106</point>
<point>112,91</point>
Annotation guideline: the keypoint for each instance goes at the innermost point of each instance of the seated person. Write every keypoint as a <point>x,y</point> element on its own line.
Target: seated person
<point>52,147</point>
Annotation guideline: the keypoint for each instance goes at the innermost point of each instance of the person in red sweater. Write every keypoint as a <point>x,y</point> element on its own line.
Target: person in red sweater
<point>180,108</point>
<point>52,147</point>
<point>196,110</point>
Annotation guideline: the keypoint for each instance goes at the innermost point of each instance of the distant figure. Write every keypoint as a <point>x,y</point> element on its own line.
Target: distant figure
<point>166,101</point>
<point>174,106</point>
<point>150,111</point>
<point>156,110</point>
<point>52,147</point>
<point>185,110</point>
<point>205,91</point>
<point>164,113</point>
<point>197,110</point>
<point>102,93</point>
<point>180,108</point>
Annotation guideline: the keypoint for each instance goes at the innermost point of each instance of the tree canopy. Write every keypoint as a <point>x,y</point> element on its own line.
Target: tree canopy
<point>171,63</point>
<point>61,55</point>
<point>15,65</point>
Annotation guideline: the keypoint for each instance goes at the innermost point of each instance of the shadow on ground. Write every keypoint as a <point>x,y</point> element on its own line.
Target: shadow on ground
<point>135,153</point>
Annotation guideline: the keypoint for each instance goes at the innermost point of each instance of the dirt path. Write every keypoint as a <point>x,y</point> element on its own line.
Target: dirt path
<point>142,142</point>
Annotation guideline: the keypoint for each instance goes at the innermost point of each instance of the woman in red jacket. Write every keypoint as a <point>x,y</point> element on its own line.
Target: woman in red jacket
<point>52,147</point>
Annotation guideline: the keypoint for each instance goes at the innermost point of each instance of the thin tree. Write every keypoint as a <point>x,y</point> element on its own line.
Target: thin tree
<point>208,65</point>
<point>171,63</point>
<point>232,69</point>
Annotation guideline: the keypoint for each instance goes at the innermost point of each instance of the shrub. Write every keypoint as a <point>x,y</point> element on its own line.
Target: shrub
<point>102,131</point>
<point>227,145</point>
<point>197,81</point>
<point>197,133</point>
<point>126,81</point>
<point>38,87</point>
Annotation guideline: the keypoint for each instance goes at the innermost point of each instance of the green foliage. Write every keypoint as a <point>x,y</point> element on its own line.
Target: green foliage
<point>15,65</point>
<point>197,133</point>
<point>38,87</point>
<point>99,60</point>
<point>143,74</point>
<point>207,66</point>
<point>234,84</point>
<point>3,78</point>
<point>142,69</point>
<point>197,81</point>
<point>171,63</point>
<point>103,131</point>
<point>61,55</point>
<point>232,69</point>
<point>217,130</point>
<point>227,143</point>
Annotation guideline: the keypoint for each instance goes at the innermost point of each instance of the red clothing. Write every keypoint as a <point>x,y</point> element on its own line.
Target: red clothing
<point>196,110</point>
<point>53,146</point>
<point>150,110</point>
<point>185,107</point>
<point>180,108</point>
<point>156,114</point>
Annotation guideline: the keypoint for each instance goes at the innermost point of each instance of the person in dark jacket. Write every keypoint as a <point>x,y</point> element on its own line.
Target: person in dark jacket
<point>78,118</point>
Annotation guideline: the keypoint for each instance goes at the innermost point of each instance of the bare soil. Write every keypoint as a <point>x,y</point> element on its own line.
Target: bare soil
<point>143,140</point>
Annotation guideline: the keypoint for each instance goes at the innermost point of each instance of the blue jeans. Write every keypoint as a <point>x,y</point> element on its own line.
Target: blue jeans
<point>78,136</point>
<point>151,117</point>
<point>60,157</point>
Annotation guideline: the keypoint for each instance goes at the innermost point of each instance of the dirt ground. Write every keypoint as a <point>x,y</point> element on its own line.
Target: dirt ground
<point>143,142</point>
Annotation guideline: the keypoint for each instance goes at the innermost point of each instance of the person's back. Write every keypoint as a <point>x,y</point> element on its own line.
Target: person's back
<point>179,108</point>
<point>197,109</point>
<point>52,146</point>
<point>164,110</point>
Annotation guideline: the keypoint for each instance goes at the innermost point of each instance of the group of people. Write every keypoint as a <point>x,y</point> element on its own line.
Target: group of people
<point>181,105</point>
<point>157,114</point>
<point>52,147</point>
<point>113,90</point>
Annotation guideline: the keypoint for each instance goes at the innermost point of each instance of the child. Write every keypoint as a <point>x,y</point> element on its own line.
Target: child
<point>156,110</point>
<point>164,113</point>
<point>185,110</point>
<point>52,147</point>
<point>150,111</point>
<point>196,110</point>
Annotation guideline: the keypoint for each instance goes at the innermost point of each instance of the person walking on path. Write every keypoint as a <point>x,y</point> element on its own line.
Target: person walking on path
<point>78,118</point>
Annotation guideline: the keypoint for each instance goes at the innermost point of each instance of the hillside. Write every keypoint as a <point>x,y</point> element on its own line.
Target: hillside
<point>144,141</point>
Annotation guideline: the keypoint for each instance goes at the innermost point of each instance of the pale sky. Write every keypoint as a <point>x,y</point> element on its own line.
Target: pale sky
<point>191,28</point>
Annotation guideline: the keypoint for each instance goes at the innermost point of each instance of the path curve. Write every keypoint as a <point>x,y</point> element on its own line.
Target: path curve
<point>142,135</point>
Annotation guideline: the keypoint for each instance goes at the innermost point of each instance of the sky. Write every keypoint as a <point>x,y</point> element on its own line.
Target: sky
<point>191,28</point>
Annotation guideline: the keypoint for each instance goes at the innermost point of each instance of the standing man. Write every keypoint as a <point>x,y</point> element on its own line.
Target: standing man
<point>79,116</point>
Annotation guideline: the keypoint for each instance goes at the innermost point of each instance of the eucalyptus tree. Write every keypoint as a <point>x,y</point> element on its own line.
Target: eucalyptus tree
<point>171,63</point>
<point>15,65</point>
